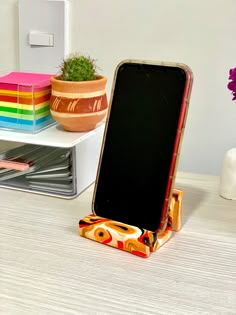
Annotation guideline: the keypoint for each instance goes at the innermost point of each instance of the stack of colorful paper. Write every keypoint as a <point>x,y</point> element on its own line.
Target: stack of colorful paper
<point>24,101</point>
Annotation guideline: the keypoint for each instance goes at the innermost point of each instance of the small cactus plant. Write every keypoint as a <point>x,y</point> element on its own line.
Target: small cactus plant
<point>78,68</point>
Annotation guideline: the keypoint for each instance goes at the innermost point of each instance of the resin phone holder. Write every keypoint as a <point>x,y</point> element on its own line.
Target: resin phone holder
<point>130,238</point>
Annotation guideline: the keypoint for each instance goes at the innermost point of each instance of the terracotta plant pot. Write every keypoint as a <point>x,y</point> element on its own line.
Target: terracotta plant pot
<point>78,106</point>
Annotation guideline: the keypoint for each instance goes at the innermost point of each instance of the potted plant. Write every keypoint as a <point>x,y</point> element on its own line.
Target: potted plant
<point>78,98</point>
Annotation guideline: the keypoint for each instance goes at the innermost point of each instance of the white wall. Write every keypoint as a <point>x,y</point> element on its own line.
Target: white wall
<point>198,33</point>
<point>9,57</point>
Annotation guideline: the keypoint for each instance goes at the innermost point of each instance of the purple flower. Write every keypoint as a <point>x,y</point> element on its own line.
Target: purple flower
<point>232,86</point>
<point>232,74</point>
<point>232,83</point>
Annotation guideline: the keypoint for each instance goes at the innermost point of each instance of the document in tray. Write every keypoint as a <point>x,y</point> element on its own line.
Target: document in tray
<point>54,186</point>
<point>44,163</point>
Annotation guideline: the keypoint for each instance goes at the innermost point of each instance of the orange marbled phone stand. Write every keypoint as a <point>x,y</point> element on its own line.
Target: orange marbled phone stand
<point>130,238</point>
<point>154,96</point>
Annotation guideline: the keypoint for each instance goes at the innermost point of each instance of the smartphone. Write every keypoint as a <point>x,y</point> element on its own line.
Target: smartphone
<point>141,143</point>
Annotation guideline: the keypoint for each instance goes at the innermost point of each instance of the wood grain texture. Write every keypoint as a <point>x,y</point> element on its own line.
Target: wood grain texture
<point>47,268</point>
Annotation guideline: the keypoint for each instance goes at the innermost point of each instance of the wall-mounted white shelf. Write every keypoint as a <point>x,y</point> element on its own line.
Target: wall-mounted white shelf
<point>82,162</point>
<point>54,136</point>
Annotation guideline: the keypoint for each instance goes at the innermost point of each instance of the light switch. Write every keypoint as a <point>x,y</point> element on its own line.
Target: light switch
<point>43,34</point>
<point>41,39</point>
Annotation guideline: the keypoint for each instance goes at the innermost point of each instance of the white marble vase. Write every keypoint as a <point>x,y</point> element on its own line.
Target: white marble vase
<point>228,175</point>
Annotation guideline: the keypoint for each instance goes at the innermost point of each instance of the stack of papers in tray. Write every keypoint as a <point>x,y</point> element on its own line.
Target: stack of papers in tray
<point>50,169</point>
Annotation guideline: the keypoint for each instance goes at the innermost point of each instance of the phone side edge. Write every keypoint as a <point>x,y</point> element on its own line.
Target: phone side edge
<point>178,142</point>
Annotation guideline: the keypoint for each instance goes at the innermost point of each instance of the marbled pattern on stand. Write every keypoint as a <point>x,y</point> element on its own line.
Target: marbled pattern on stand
<point>130,238</point>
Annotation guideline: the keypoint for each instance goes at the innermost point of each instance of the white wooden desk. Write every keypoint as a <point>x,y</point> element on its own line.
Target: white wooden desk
<point>47,268</point>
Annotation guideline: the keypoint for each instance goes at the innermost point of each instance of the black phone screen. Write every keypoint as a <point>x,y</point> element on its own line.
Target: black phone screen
<point>139,144</point>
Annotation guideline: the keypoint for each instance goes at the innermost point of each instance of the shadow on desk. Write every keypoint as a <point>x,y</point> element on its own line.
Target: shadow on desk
<point>193,197</point>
